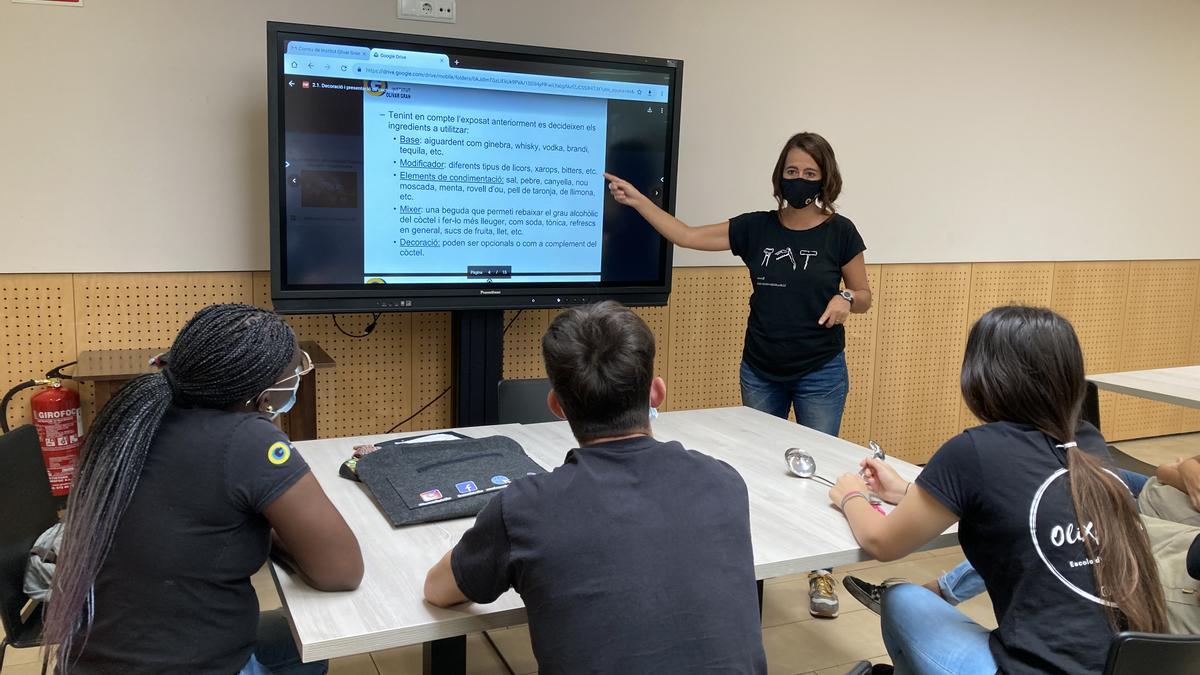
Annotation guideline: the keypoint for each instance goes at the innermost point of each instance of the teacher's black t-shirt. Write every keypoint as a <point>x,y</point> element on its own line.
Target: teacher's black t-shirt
<point>174,595</point>
<point>632,557</point>
<point>1009,485</point>
<point>794,273</point>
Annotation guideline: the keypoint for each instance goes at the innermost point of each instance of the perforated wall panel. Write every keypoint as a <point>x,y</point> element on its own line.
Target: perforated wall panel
<point>922,313</point>
<point>860,361</point>
<point>1091,295</point>
<point>997,284</point>
<point>1157,334</point>
<point>708,311</point>
<point>38,332</point>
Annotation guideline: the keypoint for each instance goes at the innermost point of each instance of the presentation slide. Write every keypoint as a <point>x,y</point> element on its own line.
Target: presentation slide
<point>419,168</point>
<point>498,185</point>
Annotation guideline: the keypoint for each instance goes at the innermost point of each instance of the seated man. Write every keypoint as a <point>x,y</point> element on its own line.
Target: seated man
<point>633,556</point>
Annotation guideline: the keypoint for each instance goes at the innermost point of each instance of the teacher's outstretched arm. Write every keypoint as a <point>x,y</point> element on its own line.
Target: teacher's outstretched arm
<point>704,238</point>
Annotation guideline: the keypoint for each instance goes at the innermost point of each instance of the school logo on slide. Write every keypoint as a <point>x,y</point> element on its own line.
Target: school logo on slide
<point>279,452</point>
<point>375,87</point>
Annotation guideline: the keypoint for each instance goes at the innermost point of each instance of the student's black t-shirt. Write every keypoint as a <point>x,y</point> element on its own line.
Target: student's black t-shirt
<point>795,273</point>
<point>632,557</point>
<point>174,595</point>
<point>1008,484</point>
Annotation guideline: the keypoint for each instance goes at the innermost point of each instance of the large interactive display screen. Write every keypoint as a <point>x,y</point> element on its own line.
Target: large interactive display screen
<point>418,173</point>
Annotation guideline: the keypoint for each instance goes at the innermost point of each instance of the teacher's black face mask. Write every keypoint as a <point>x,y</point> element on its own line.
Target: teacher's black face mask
<point>799,192</point>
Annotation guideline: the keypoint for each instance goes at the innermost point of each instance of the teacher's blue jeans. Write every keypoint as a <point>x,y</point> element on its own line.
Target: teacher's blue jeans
<point>925,635</point>
<point>818,398</point>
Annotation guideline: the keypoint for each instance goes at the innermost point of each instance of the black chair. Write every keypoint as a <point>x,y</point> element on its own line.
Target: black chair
<point>29,509</point>
<point>524,402</point>
<point>1091,405</point>
<point>1139,653</point>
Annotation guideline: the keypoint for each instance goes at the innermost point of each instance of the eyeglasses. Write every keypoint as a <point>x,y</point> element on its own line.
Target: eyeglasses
<point>306,367</point>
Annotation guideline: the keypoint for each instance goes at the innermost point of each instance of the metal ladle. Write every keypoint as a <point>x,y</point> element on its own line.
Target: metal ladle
<point>802,464</point>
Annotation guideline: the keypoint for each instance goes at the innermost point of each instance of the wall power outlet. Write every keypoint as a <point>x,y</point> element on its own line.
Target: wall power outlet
<point>426,10</point>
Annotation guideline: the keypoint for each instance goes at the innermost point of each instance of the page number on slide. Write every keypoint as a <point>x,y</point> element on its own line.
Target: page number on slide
<point>426,10</point>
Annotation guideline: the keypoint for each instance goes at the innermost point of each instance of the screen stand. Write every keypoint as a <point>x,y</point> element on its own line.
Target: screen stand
<point>478,336</point>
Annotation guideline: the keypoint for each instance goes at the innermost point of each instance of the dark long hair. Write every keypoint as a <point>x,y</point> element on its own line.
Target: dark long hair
<point>822,153</point>
<point>1024,364</point>
<point>224,356</point>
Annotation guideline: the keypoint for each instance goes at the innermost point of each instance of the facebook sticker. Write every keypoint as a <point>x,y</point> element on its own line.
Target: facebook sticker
<point>466,487</point>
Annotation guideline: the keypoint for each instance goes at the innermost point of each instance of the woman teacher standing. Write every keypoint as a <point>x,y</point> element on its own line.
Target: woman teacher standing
<point>798,256</point>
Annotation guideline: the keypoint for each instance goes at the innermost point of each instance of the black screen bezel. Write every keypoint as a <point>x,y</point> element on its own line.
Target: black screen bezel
<point>383,298</point>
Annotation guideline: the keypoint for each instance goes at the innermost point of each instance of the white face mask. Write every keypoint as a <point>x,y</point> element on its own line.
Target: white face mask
<point>276,412</point>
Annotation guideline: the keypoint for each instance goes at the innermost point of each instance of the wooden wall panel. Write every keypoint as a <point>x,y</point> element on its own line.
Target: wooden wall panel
<point>659,321</point>
<point>1092,295</point>
<point>904,355</point>
<point>371,387</point>
<point>922,314</point>
<point>997,284</point>
<point>37,332</point>
<point>431,371</point>
<point>861,332</point>
<point>708,313</point>
<point>127,311</point>
<point>1191,416</point>
<point>523,343</point>
<point>1157,334</point>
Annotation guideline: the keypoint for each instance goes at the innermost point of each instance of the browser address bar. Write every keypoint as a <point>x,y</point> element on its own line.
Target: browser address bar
<point>546,84</point>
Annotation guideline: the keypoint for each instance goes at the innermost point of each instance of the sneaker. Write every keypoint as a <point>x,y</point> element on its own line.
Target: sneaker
<point>869,594</point>
<point>822,600</point>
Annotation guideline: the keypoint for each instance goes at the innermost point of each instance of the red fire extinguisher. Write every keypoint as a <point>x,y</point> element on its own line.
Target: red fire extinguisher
<point>56,415</point>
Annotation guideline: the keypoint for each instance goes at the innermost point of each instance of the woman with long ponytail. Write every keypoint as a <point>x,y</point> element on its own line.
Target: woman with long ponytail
<point>1042,515</point>
<point>181,482</point>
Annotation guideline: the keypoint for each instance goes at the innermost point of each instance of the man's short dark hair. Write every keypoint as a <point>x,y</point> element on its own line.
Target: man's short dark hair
<point>600,359</point>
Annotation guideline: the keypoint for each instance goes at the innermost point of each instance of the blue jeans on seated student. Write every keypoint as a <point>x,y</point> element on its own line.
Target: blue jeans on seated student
<point>923,634</point>
<point>275,652</point>
<point>818,397</point>
<point>963,583</point>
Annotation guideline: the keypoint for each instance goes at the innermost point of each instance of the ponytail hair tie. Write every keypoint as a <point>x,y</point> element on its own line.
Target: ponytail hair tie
<point>172,384</point>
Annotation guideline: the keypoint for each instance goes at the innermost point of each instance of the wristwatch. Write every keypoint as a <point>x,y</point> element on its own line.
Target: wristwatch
<point>848,295</point>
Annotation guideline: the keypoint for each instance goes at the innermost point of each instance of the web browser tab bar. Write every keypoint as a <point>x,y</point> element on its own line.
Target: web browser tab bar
<point>406,58</point>
<point>297,48</point>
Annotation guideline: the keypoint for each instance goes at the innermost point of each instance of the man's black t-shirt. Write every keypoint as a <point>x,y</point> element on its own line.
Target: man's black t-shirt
<point>632,557</point>
<point>1009,485</point>
<point>174,594</point>
<point>795,273</point>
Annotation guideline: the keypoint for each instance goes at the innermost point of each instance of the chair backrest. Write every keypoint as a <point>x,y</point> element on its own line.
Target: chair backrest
<point>1137,653</point>
<point>1091,405</point>
<point>28,509</point>
<point>524,402</point>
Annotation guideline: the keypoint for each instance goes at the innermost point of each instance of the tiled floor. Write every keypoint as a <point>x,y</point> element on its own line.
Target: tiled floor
<point>795,642</point>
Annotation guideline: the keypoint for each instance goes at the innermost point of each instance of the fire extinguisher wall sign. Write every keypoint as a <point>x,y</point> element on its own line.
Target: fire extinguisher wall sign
<point>59,424</point>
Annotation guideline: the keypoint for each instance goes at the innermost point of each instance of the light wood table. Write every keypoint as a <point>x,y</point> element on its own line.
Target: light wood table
<point>1180,386</point>
<point>111,369</point>
<point>793,528</point>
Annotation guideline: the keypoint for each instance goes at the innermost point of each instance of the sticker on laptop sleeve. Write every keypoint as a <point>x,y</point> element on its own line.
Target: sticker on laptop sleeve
<point>500,480</point>
<point>466,487</point>
<point>279,452</point>
<point>431,495</point>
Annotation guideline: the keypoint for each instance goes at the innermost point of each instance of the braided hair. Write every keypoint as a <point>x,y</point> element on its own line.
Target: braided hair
<point>224,356</point>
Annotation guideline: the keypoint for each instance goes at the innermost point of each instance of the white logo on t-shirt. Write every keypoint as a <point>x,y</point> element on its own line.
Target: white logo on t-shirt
<point>770,253</point>
<point>1069,534</point>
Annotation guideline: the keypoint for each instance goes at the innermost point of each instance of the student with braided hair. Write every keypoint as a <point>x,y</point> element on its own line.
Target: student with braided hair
<point>183,487</point>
